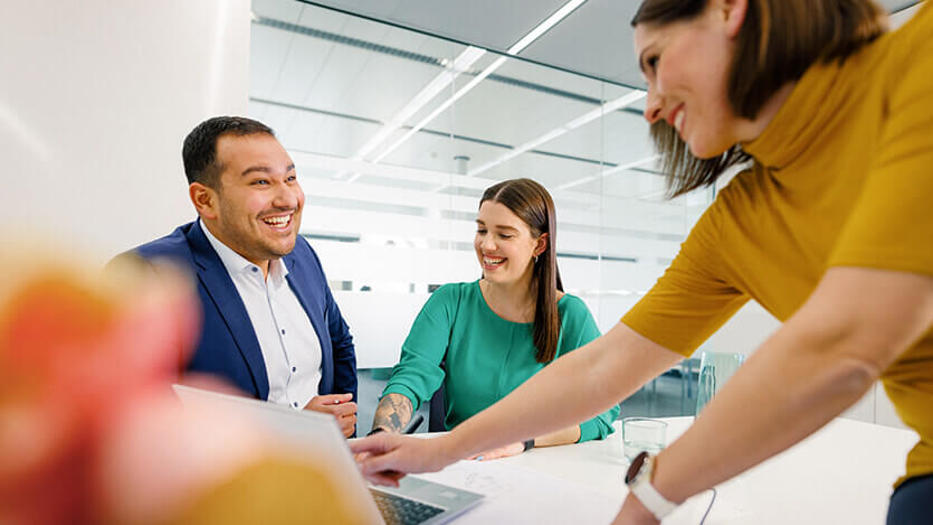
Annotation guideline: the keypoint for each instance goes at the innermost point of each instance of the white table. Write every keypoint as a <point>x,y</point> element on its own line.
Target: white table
<point>841,474</point>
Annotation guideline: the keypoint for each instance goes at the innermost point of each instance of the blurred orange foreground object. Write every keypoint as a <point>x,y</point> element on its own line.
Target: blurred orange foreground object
<point>86,409</point>
<point>77,349</point>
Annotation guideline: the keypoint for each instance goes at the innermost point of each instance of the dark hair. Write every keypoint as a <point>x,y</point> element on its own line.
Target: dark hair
<point>199,152</point>
<point>779,40</point>
<point>532,203</point>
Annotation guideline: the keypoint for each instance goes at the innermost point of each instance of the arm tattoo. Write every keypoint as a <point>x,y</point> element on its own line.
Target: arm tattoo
<point>393,413</point>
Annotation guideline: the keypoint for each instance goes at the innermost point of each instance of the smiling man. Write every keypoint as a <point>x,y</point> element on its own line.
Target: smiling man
<point>270,323</point>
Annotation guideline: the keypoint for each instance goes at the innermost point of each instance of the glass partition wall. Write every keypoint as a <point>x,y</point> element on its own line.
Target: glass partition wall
<point>396,134</point>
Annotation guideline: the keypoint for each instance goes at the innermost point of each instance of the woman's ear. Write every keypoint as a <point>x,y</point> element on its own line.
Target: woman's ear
<point>541,244</point>
<point>733,12</point>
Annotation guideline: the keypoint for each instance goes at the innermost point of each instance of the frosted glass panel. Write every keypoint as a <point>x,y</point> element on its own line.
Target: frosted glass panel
<point>396,134</point>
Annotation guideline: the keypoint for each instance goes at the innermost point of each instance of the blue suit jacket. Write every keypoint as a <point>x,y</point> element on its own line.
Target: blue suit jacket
<point>228,346</point>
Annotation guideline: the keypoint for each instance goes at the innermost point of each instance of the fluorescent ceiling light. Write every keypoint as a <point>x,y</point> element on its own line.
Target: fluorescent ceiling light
<point>440,109</point>
<point>518,47</point>
<point>308,161</point>
<point>586,118</point>
<point>617,169</point>
<point>438,84</point>
<point>318,161</point>
<point>460,64</point>
<point>543,27</point>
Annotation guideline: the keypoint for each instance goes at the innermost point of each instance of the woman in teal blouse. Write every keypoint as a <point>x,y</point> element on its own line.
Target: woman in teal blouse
<point>498,331</point>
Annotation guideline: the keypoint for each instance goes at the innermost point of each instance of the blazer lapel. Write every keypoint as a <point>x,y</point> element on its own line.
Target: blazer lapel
<point>222,291</point>
<point>309,295</point>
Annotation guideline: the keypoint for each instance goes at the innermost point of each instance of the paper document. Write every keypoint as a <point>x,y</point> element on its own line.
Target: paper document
<point>519,495</point>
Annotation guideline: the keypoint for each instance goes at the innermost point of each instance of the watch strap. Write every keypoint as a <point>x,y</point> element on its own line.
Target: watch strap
<point>652,499</point>
<point>649,496</point>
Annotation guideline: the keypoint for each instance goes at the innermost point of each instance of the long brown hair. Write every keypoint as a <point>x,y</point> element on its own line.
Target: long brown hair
<point>532,204</point>
<point>779,40</point>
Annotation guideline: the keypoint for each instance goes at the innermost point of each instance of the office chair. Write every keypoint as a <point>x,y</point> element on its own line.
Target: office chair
<point>437,408</point>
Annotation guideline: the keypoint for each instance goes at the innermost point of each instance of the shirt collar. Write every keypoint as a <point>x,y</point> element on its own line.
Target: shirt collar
<point>236,264</point>
<point>278,271</point>
<point>814,105</point>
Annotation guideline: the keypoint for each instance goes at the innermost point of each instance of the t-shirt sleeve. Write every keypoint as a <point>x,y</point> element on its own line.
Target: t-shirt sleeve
<point>418,373</point>
<point>691,300</point>
<point>578,329</point>
<point>891,225</point>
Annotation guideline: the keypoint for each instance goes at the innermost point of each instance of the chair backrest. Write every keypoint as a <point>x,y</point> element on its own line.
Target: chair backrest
<point>437,408</point>
<point>715,369</point>
<point>437,411</point>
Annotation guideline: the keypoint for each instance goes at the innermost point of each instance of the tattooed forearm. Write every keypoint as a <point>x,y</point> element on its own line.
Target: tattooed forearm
<point>393,413</point>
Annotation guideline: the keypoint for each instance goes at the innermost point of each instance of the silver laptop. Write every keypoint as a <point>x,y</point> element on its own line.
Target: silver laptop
<point>416,501</point>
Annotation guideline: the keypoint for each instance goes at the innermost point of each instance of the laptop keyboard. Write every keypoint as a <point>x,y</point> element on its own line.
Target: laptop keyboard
<point>397,510</point>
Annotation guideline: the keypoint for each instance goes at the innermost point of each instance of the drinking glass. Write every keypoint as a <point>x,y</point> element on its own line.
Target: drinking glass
<point>643,434</point>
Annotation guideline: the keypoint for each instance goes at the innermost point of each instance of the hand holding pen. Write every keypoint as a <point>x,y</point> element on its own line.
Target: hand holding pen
<point>341,406</point>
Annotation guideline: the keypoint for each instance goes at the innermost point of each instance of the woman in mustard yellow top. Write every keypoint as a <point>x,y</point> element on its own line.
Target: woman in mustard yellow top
<point>831,230</point>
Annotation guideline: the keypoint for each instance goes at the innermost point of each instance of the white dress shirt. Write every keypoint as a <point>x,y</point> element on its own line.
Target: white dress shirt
<point>289,344</point>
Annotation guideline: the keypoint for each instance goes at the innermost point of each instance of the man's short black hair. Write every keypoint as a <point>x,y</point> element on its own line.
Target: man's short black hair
<point>200,150</point>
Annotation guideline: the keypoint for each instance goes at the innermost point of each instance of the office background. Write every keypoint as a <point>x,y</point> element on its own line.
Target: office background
<point>397,117</point>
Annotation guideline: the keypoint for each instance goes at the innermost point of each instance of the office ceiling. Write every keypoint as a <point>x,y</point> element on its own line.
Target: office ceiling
<point>393,120</point>
<point>331,82</point>
<point>338,75</point>
<point>594,40</point>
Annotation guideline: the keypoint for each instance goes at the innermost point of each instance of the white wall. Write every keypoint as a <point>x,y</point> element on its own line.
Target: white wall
<point>745,331</point>
<point>95,101</point>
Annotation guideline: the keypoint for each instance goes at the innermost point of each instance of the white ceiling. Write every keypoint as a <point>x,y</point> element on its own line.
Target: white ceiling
<point>594,40</point>
<point>330,83</point>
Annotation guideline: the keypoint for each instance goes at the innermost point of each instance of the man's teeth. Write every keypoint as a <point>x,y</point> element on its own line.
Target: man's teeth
<point>679,121</point>
<point>277,221</point>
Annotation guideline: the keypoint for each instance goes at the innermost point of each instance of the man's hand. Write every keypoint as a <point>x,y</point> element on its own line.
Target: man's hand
<point>340,406</point>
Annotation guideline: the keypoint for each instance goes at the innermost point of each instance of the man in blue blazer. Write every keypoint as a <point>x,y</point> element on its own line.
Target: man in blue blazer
<point>270,323</point>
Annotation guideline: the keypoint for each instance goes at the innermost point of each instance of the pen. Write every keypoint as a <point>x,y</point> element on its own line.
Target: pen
<point>413,424</point>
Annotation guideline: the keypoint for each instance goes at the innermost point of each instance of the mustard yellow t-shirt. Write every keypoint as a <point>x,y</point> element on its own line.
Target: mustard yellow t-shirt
<point>843,176</point>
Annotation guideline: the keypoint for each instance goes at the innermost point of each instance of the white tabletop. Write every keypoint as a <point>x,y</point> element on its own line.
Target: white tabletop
<point>841,474</point>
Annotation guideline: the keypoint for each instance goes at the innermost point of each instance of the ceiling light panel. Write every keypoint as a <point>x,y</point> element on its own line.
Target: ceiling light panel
<point>555,18</point>
<point>494,24</point>
<point>561,129</point>
<point>353,89</point>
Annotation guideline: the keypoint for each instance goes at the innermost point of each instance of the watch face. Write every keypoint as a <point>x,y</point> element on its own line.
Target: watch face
<point>635,467</point>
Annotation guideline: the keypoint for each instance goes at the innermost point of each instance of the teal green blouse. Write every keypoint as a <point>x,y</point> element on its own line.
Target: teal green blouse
<point>487,356</point>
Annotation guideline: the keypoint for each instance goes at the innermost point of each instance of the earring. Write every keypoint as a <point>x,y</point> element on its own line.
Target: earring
<point>536,259</point>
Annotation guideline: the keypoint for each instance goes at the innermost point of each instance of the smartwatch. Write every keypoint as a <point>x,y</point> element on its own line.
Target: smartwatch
<point>638,479</point>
